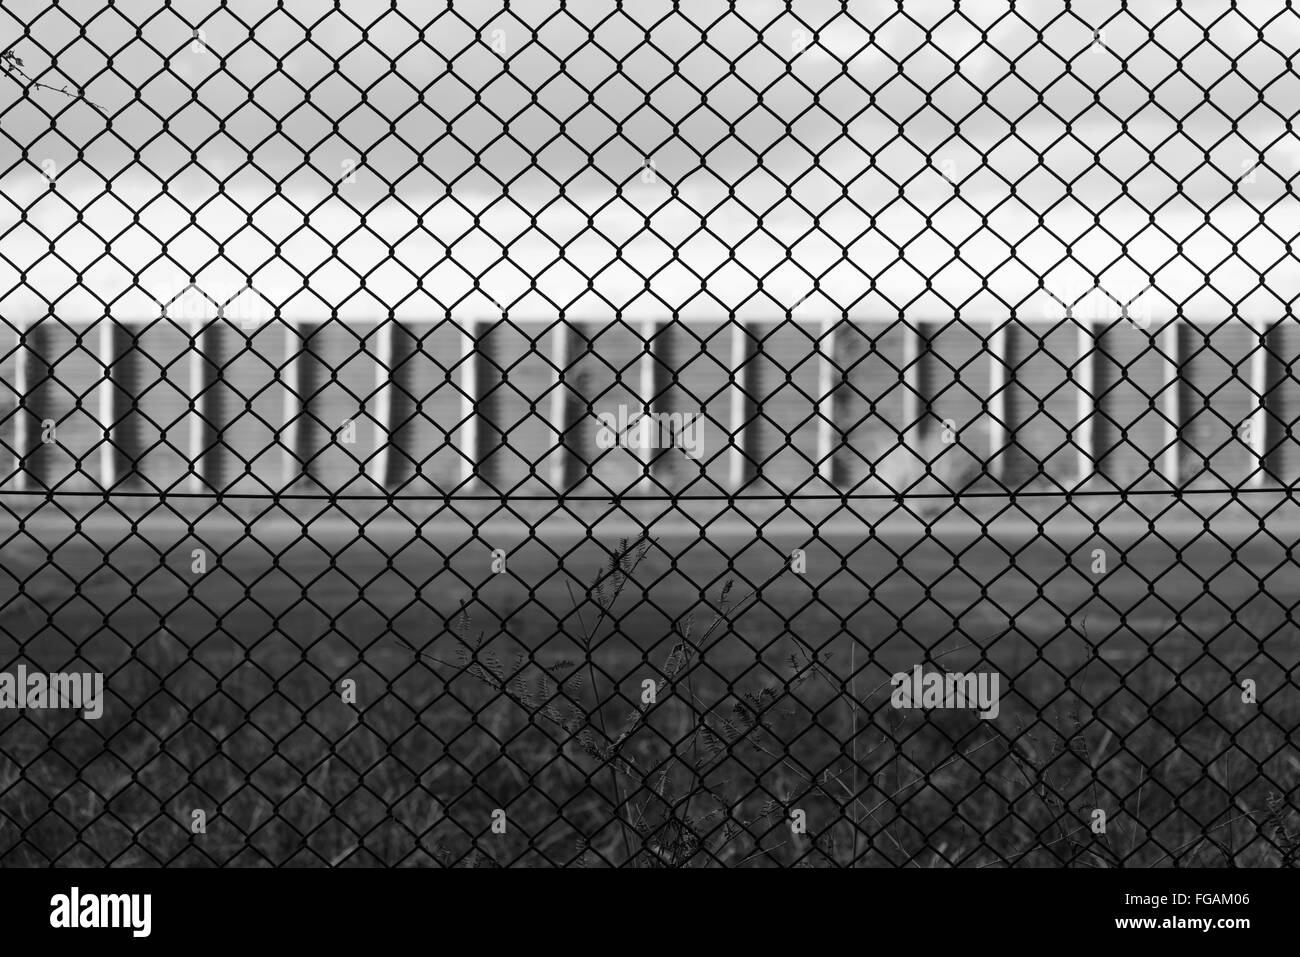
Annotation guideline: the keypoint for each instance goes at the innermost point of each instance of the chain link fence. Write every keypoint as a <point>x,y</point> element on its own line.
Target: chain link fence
<point>603,434</point>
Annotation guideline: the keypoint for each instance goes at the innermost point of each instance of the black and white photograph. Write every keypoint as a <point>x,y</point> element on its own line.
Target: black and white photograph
<point>649,435</point>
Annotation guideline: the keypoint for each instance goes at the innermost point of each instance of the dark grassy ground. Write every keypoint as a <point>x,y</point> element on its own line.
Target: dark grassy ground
<point>1120,693</point>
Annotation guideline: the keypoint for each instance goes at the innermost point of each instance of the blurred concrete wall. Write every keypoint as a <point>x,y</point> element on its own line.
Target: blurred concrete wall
<point>785,407</point>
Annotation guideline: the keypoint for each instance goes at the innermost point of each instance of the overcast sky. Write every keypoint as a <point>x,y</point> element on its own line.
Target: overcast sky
<point>462,112</point>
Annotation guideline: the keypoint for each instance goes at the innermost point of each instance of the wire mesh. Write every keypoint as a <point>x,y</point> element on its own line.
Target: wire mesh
<point>806,434</point>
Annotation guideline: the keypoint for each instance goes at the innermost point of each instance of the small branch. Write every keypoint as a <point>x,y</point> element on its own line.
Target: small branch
<point>15,69</point>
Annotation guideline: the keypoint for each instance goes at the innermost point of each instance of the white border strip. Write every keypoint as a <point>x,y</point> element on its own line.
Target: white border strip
<point>23,362</point>
<point>199,400</point>
<point>1087,408</point>
<point>1258,418</point>
<point>827,385</point>
<point>1173,404</point>
<point>742,369</point>
<point>295,406</point>
<point>561,386</point>
<point>385,429</point>
<point>470,333</point>
<point>107,360</point>
<point>650,329</point>
<point>999,381</point>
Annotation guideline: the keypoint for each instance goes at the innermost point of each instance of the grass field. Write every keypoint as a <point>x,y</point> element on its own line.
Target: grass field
<point>476,690</point>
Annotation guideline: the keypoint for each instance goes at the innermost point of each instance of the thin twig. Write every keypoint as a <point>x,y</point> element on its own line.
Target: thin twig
<point>14,68</point>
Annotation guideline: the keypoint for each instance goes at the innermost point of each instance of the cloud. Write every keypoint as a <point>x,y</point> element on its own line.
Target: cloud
<point>592,144</point>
